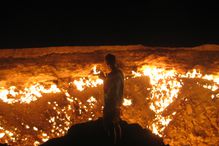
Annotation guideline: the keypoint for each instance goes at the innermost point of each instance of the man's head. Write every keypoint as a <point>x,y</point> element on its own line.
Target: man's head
<point>110,60</point>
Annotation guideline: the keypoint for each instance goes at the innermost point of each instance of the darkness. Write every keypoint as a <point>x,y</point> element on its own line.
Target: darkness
<point>154,23</point>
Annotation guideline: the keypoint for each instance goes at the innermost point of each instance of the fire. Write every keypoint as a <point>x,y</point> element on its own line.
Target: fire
<point>165,88</point>
<point>92,100</point>
<point>166,85</point>
<point>95,72</point>
<point>27,95</point>
<point>127,102</point>
<point>2,135</point>
<point>83,83</point>
<point>8,134</point>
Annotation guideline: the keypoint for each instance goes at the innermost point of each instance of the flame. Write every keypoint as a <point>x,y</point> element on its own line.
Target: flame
<point>27,95</point>
<point>92,100</point>
<point>95,72</point>
<point>83,83</point>
<point>164,90</point>
<point>36,143</point>
<point>2,135</point>
<point>166,85</point>
<point>8,134</point>
<point>127,102</point>
<point>196,74</point>
<point>136,74</point>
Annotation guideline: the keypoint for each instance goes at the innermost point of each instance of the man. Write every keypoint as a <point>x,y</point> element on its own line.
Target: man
<point>113,92</point>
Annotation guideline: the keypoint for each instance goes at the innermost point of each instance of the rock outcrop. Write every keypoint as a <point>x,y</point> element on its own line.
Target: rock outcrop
<point>92,133</point>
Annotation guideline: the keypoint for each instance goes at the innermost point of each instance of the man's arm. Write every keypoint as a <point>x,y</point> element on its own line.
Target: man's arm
<point>102,75</point>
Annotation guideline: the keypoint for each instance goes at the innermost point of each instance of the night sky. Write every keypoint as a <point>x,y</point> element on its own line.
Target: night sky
<point>153,24</point>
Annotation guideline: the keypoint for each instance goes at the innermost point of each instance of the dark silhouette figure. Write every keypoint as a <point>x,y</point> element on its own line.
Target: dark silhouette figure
<point>113,92</point>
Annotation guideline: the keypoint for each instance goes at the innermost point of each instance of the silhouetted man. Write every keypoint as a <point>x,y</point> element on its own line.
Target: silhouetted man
<point>113,92</point>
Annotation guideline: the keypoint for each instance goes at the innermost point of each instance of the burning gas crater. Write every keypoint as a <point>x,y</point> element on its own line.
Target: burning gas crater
<point>72,107</point>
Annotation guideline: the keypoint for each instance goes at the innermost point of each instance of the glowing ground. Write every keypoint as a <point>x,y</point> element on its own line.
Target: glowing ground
<point>172,91</point>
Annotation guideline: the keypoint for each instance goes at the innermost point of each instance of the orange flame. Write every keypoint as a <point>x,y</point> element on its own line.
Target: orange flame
<point>166,85</point>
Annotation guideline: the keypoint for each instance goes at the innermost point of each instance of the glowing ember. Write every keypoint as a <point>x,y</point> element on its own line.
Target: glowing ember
<point>92,100</point>
<point>2,135</point>
<point>7,134</point>
<point>36,143</point>
<point>35,128</point>
<point>127,102</point>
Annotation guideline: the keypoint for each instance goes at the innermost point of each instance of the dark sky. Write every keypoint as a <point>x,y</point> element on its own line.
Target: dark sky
<point>162,23</point>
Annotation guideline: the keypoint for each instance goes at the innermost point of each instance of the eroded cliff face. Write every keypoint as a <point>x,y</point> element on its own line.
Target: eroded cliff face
<point>172,91</point>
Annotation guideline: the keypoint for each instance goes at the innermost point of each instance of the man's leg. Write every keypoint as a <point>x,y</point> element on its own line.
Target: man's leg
<point>117,132</point>
<point>108,126</point>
